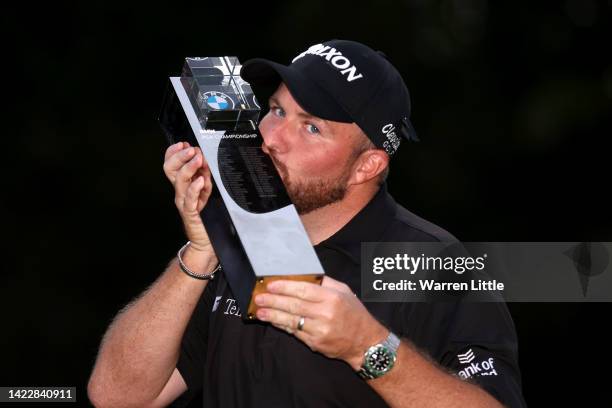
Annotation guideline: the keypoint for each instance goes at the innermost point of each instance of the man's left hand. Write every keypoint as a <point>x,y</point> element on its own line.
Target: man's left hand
<point>336,323</point>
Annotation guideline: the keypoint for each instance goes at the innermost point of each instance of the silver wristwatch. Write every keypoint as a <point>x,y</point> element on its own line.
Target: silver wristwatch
<point>380,358</point>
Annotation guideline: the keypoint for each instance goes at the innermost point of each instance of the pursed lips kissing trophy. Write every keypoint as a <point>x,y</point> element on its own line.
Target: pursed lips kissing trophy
<point>254,228</point>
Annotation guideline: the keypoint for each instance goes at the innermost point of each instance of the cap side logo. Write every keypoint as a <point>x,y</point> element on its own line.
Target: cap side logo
<point>392,143</point>
<point>338,61</point>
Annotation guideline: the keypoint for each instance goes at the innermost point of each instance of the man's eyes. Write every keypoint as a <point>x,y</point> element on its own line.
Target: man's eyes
<point>277,111</point>
<point>310,128</point>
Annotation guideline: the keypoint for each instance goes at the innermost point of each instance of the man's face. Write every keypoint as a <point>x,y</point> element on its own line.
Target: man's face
<point>314,157</point>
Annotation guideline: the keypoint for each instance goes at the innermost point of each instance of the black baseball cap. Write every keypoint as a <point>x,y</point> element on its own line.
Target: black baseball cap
<point>342,81</point>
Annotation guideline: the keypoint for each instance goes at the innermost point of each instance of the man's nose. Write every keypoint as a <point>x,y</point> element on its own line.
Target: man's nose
<point>274,136</point>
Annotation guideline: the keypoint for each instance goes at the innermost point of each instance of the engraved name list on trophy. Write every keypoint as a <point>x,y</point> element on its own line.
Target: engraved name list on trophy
<point>253,226</point>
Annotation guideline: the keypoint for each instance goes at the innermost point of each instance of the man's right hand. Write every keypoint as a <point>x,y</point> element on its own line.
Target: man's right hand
<point>136,365</point>
<point>189,173</point>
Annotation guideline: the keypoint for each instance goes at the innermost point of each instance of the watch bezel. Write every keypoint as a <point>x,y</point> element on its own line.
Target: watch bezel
<point>373,372</point>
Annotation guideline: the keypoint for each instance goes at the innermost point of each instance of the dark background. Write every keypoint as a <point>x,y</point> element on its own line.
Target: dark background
<point>511,100</point>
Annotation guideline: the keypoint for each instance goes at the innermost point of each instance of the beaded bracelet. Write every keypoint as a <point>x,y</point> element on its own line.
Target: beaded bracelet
<point>184,268</point>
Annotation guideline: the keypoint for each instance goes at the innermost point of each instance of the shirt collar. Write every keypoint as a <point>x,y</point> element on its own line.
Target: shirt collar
<point>368,225</point>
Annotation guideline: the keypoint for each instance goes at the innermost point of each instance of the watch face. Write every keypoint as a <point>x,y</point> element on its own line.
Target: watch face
<point>380,360</point>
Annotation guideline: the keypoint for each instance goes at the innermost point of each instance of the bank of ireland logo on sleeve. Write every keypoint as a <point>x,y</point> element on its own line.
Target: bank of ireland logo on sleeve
<point>475,368</point>
<point>466,357</point>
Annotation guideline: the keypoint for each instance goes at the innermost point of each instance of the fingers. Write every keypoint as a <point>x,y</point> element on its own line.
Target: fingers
<point>193,184</point>
<point>288,304</point>
<point>206,189</point>
<point>197,193</point>
<point>302,290</point>
<point>176,159</point>
<point>288,322</point>
<point>184,164</point>
<point>187,172</point>
<point>173,149</point>
<point>336,285</point>
<point>193,194</point>
<point>282,320</point>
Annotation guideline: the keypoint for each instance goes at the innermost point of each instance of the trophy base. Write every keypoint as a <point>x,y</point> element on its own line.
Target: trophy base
<point>260,287</point>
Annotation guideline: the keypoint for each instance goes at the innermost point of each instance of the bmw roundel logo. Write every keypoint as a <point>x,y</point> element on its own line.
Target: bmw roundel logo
<point>218,100</point>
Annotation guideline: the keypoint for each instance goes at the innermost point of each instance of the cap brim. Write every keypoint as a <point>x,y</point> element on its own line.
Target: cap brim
<point>265,76</point>
<point>407,131</point>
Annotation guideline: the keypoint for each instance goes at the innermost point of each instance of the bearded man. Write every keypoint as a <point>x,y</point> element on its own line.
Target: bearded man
<point>336,116</point>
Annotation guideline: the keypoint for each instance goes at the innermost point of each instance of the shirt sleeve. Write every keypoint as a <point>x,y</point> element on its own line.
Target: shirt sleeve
<point>481,346</point>
<point>195,340</point>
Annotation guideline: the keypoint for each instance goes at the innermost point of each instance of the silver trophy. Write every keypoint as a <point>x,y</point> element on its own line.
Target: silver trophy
<point>253,226</point>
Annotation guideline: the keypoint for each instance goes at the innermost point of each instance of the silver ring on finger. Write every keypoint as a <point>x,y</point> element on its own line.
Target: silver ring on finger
<point>301,322</point>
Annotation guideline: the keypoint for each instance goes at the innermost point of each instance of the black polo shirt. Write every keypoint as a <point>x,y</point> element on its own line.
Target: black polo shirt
<point>237,363</point>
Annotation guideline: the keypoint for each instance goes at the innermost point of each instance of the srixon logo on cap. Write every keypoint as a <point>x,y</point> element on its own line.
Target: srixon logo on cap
<point>392,143</point>
<point>336,58</point>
